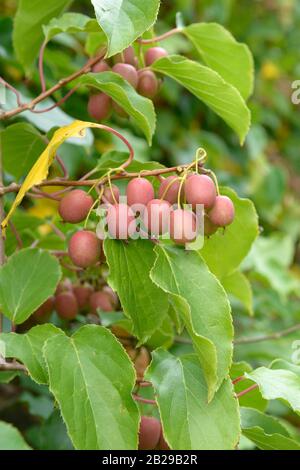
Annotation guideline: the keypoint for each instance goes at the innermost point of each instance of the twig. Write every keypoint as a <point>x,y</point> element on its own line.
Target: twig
<point>277,335</point>
<point>13,89</point>
<point>144,400</point>
<point>57,104</point>
<point>62,166</point>
<point>16,234</point>
<point>13,187</point>
<point>30,105</point>
<point>247,390</point>
<point>41,66</point>
<point>12,366</point>
<point>161,37</point>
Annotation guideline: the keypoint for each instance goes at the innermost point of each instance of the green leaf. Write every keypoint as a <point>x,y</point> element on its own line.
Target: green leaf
<point>140,109</point>
<point>92,378</point>
<point>203,305</point>
<point>278,384</point>
<point>11,438</point>
<point>237,285</point>
<point>209,87</point>
<point>220,51</point>
<point>265,431</point>
<point>123,21</point>
<point>21,144</point>
<point>28,279</point>
<point>225,250</point>
<point>142,301</point>
<point>27,348</point>
<point>28,34</point>
<point>70,23</point>
<point>189,422</point>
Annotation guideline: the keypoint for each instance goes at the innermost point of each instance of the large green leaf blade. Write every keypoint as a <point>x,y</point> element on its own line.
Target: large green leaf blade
<point>225,250</point>
<point>143,302</point>
<point>28,348</point>
<point>123,21</point>
<point>140,109</point>
<point>11,438</point>
<point>189,422</point>
<point>92,379</point>
<point>220,51</point>
<point>209,87</point>
<point>205,307</point>
<point>28,279</point>
<point>28,34</point>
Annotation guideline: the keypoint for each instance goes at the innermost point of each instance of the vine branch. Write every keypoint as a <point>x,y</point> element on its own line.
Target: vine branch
<point>47,93</point>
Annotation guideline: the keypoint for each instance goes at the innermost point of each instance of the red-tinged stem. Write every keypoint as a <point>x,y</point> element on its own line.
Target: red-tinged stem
<point>57,104</point>
<point>247,390</point>
<point>144,400</point>
<point>161,37</point>
<point>2,242</point>
<point>16,234</point>
<point>13,89</point>
<point>31,104</point>
<point>143,383</point>
<point>238,379</point>
<point>41,66</point>
<point>62,166</point>
<point>56,230</point>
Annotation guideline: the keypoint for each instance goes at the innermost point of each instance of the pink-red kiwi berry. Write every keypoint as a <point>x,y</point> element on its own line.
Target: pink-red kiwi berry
<point>222,213</point>
<point>149,433</point>
<point>153,54</point>
<point>99,106</point>
<point>84,248</point>
<point>75,206</point>
<point>121,222</point>
<point>66,305</point>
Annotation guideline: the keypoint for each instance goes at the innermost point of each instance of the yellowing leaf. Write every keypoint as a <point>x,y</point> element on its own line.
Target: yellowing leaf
<point>39,171</point>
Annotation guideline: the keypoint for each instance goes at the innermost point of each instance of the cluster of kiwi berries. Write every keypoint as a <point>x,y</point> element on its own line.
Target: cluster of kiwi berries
<point>71,299</point>
<point>143,80</point>
<point>159,215</point>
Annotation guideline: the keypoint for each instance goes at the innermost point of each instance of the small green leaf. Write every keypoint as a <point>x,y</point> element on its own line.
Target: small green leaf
<point>70,23</point>
<point>278,384</point>
<point>204,306</point>
<point>209,87</point>
<point>28,34</point>
<point>265,431</point>
<point>142,301</point>
<point>27,348</point>
<point>92,378</point>
<point>28,279</point>
<point>220,51</point>
<point>237,285</point>
<point>123,21</point>
<point>189,422</point>
<point>140,109</point>
<point>21,144</point>
<point>225,250</point>
<point>11,438</point>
